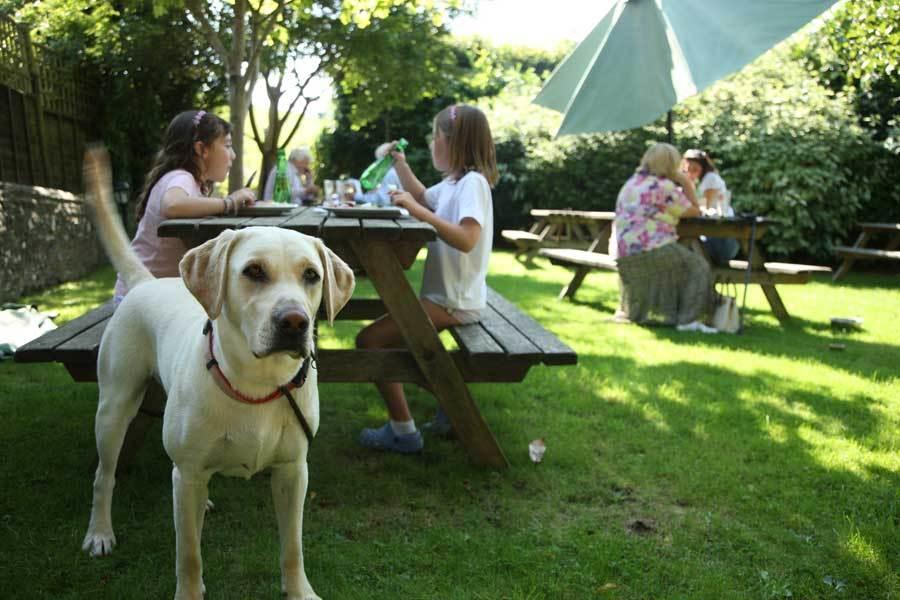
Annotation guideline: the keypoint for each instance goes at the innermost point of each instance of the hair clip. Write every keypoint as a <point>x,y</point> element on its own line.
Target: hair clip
<point>198,116</point>
<point>453,113</point>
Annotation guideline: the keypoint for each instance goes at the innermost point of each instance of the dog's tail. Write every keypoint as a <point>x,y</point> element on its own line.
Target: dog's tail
<point>98,194</point>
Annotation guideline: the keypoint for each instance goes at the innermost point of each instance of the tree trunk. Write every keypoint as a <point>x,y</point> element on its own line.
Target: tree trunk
<point>237,104</point>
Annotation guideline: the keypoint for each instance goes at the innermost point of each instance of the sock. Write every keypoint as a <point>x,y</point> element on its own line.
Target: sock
<point>403,427</point>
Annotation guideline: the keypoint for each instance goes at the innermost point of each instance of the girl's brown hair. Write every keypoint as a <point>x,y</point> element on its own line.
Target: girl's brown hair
<point>177,150</point>
<point>701,159</point>
<point>469,141</point>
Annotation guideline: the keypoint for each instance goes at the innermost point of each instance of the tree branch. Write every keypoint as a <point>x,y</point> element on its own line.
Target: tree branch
<point>212,36</point>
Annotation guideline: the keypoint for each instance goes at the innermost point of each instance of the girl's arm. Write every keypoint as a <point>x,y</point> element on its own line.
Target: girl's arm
<point>688,187</point>
<point>177,204</point>
<point>463,235</point>
<point>408,180</point>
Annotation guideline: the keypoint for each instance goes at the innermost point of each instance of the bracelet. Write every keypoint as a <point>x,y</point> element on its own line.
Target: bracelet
<point>224,206</point>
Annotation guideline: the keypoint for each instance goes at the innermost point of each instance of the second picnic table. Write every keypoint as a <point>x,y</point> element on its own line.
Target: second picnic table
<point>765,274</point>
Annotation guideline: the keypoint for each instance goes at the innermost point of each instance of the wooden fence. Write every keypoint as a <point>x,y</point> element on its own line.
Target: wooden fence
<point>45,113</point>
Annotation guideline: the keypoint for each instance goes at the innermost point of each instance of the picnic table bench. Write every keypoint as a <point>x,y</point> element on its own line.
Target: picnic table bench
<point>500,348</point>
<point>857,251</point>
<point>556,228</point>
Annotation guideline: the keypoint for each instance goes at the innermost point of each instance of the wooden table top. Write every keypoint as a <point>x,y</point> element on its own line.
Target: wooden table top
<point>405,235</point>
<point>314,221</point>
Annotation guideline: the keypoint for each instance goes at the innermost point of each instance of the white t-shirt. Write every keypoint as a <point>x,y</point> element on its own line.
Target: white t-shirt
<point>451,278</point>
<point>714,181</point>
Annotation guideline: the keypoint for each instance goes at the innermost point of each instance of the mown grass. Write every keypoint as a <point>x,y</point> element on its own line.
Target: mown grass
<point>678,465</point>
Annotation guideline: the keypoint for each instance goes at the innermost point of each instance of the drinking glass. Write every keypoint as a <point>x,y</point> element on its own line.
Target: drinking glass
<point>330,193</point>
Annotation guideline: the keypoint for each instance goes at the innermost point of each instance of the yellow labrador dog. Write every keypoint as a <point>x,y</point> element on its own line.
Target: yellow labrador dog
<point>231,343</point>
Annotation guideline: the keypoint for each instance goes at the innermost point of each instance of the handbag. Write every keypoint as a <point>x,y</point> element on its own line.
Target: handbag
<point>726,314</point>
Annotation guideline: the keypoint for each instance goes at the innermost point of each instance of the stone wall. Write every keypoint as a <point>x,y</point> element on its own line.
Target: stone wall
<point>46,238</point>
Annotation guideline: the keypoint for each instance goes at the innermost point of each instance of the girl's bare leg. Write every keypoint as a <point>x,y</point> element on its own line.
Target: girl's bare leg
<point>384,333</point>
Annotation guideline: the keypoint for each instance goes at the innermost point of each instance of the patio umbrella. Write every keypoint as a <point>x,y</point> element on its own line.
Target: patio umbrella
<point>645,56</point>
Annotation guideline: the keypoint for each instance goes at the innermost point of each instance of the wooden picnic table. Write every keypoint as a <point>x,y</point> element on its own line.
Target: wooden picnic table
<point>859,250</point>
<point>501,347</point>
<point>554,228</point>
<point>381,249</point>
<point>765,274</point>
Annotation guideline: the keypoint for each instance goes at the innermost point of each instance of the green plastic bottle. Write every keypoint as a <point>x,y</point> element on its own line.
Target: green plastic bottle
<point>375,172</point>
<point>282,191</point>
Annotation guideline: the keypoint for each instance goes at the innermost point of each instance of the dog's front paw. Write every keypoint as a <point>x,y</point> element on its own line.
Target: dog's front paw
<point>99,542</point>
<point>306,593</point>
<point>310,595</point>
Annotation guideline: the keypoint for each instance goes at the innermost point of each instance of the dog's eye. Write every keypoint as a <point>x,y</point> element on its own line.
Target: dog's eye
<point>255,272</point>
<point>310,275</point>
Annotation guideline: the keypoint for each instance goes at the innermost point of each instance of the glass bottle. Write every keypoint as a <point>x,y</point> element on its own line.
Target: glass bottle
<point>375,172</point>
<point>282,190</point>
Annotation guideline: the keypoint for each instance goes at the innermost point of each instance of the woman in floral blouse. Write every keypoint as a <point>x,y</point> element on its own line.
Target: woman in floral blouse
<point>659,278</point>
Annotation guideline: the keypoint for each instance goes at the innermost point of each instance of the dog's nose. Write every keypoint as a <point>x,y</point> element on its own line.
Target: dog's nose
<point>292,320</point>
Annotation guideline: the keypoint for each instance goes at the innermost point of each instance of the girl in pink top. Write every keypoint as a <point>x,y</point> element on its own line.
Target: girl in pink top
<point>196,154</point>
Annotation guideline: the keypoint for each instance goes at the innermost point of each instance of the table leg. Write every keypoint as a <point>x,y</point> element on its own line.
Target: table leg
<point>758,263</point>
<point>572,287</point>
<point>848,261</point>
<point>438,368</point>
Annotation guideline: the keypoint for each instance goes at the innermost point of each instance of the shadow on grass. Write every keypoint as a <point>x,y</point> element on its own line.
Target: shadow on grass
<point>810,340</point>
<point>753,435</point>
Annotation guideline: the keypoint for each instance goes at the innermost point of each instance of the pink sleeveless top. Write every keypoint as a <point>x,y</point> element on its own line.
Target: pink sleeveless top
<point>160,255</point>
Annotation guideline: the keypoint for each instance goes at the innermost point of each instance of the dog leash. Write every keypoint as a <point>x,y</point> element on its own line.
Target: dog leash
<point>212,365</point>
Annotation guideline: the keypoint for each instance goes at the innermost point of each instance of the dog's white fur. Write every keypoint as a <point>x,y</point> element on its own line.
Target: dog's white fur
<point>260,343</point>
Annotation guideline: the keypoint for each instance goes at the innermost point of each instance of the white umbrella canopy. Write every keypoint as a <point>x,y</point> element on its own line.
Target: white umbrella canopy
<point>645,56</point>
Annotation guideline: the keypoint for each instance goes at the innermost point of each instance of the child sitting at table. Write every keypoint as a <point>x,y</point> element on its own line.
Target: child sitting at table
<point>454,288</point>
<point>196,152</point>
<point>714,196</point>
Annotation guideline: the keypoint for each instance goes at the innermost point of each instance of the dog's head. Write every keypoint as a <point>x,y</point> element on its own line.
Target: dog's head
<point>268,283</point>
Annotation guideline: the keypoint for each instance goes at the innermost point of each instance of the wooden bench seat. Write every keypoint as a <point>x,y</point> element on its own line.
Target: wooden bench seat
<point>872,253</point>
<point>500,348</point>
<point>583,261</point>
<point>869,231</point>
<point>515,235</point>
<point>776,272</point>
<point>567,257</point>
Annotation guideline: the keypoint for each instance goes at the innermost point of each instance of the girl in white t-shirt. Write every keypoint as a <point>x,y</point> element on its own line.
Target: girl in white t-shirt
<point>454,289</point>
<point>196,153</point>
<point>714,199</point>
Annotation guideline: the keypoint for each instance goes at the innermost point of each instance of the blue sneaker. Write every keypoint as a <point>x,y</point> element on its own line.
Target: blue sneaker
<point>440,425</point>
<point>385,439</point>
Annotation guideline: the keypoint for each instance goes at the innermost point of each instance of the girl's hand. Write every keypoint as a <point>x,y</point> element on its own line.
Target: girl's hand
<point>243,197</point>
<point>398,155</point>
<point>405,200</point>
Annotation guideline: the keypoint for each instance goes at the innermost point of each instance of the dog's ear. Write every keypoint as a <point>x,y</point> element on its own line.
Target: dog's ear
<point>204,270</point>
<point>337,281</point>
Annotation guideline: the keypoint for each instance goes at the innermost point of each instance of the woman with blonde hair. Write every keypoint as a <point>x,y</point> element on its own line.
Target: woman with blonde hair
<point>660,279</point>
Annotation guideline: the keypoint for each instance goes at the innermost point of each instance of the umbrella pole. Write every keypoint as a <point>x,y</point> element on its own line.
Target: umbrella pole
<point>670,133</point>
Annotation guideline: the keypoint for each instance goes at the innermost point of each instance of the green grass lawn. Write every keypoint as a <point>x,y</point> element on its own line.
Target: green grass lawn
<point>678,465</point>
